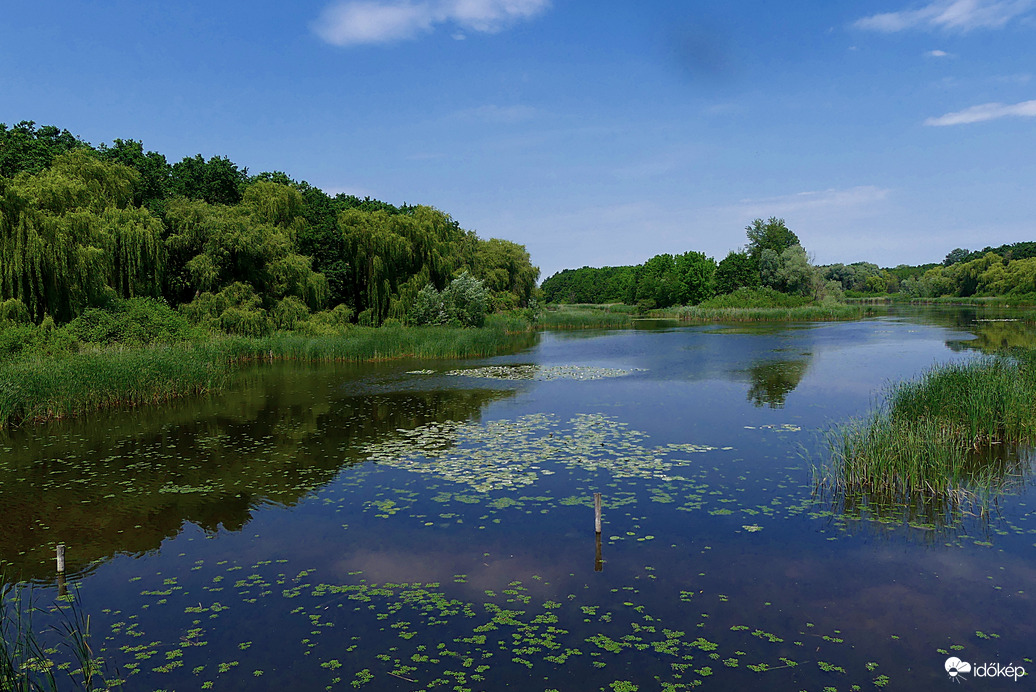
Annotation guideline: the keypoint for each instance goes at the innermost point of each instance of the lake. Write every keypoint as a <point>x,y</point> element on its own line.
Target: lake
<point>430,525</point>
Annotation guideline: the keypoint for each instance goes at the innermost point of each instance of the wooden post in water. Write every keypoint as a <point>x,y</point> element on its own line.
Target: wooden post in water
<point>597,512</point>
<point>598,560</point>
<point>62,586</point>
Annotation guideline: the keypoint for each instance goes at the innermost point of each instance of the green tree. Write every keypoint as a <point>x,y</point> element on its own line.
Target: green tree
<point>788,272</point>
<point>152,167</point>
<point>695,272</point>
<point>71,238</point>
<point>216,181</point>
<point>213,246</point>
<point>771,234</point>
<point>507,272</point>
<point>30,149</point>
<point>736,270</point>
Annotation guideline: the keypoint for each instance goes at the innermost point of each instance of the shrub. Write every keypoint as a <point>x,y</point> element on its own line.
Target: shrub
<point>289,313</point>
<point>136,321</point>
<point>14,310</point>
<point>463,303</point>
<point>234,310</point>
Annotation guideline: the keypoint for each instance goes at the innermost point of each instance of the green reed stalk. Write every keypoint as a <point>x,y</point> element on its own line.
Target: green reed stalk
<point>943,436</point>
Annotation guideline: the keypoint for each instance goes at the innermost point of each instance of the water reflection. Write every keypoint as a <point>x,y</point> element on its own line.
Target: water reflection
<point>124,482</point>
<point>773,380</point>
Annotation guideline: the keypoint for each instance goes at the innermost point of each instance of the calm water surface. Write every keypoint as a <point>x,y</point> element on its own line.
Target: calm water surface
<point>406,526</point>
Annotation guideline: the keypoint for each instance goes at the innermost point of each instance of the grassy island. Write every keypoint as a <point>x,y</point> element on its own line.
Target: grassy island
<point>946,439</point>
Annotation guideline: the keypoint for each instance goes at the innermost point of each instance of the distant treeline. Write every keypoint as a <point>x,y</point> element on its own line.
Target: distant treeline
<point>774,258</point>
<point>85,226</point>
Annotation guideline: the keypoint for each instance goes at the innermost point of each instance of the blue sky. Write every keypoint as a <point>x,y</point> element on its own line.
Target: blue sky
<point>592,132</point>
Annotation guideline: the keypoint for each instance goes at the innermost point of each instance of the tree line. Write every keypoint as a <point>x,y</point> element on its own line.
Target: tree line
<point>772,258</point>
<point>83,226</point>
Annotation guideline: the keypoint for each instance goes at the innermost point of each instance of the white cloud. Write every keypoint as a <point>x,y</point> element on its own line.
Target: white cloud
<point>853,197</point>
<point>381,21</point>
<point>986,111</point>
<point>937,54</point>
<point>953,15</point>
<point>499,114</point>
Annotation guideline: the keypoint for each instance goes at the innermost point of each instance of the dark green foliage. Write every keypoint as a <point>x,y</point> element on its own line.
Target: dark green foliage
<point>1008,251</point>
<point>590,285</point>
<point>216,181</point>
<point>134,322</point>
<point>70,238</point>
<point>14,310</point>
<point>24,148</point>
<point>234,310</point>
<point>736,270</point>
<point>762,297</point>
<point>212,246</point>
<point>80,226</point>
<point>662,281</point>
<point>506,270</point>
<point>154,171</point>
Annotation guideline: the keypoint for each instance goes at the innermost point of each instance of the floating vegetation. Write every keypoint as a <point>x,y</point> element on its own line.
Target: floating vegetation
<point>516,453</point>
<point>776,427</point>
<point>543,373</point>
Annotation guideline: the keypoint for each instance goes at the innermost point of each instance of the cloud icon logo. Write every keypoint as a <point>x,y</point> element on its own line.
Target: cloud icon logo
<point>954,666</point>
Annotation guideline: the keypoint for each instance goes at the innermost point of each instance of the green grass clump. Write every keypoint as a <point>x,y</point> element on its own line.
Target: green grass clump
<point>586,317</point>
<point>803,313</point>
<point>944,438</point>
<point>45,388</point>
<point>27,663</point>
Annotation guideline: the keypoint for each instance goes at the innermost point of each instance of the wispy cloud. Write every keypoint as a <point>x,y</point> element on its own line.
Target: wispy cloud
<point>499,114</point>
<point>860,196</point>
<point>952,15</point>
<point>379,21</point>
<point>937,54</point>
<point>986,111</point>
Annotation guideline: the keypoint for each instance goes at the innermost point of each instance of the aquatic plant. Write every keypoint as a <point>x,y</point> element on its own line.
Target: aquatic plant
<point>44,389</point>
<point>947,438</point>
<point>541,373</point>
<point>802,313</point>
<point>27,662</point>
<point>584,317</point>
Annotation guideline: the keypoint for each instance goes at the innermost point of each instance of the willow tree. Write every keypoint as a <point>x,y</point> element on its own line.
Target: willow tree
<point>71,238</point>
<point>212,246</point>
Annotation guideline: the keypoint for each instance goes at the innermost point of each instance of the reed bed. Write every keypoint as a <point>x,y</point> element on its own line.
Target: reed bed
<point>45,389</point>
<point>27,656</point>
<point>571,317</point>
<point>49,388</point>
<point>950,437</point>
<point>803,313</point>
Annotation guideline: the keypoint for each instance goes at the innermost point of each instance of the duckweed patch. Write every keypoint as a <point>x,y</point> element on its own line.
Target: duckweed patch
<point>543,373</point>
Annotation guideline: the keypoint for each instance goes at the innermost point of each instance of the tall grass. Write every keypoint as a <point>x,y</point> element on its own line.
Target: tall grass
<point>585,317</point>
<point>26,658</point>
<point>951,436</point>
<point>802,313</point>
<point>56,388</point>
<point>44,389</point>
